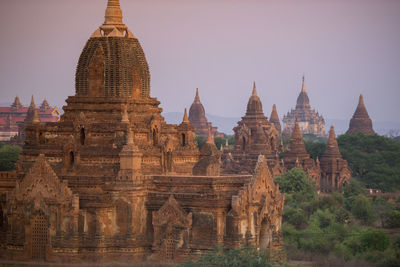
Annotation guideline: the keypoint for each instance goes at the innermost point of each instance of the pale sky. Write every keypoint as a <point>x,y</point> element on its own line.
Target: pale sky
<point>344,47</point>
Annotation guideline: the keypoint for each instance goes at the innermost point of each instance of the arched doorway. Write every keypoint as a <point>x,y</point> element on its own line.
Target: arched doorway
<point>243,143</point>
<point>183,139</point>
<point>265,235</point>
<point>71,159</point>
<point>39,237</point>
<point>155,137</point>
<point>82,136</point>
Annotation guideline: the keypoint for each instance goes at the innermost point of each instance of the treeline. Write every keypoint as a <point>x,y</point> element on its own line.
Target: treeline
<point>8,156</point>
<point>342,227</point>
<point>374,159</point>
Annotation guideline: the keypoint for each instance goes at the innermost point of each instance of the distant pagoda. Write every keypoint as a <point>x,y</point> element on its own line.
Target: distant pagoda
<point>197,117</point>
<point>360,122</point>
<point>274,118</point>
<point>310,122</point>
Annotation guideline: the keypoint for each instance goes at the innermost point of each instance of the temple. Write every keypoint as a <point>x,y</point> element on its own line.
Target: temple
<point>360,122</point>
<point>335,170</point>
<point>197,117</point>
<point>309,120</point>
<point>14,118</point>
<point>112,181</point>
<point>274,118</point>
<point>254,136</point>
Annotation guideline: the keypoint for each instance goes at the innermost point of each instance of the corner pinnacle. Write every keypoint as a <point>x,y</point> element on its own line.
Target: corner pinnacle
<point>185,117</point>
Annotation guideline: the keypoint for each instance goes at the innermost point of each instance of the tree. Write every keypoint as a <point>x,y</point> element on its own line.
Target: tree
<point>294,181</point>
<point>219,142</point>
<point>200,140</point>
<point>232,258</point>
<point>363,210</point>
<point>8,157</point>
<point>374,160</point>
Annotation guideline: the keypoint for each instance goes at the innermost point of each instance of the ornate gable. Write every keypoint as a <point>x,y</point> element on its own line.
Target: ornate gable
<point>171,212</point>
<point>41,182</point>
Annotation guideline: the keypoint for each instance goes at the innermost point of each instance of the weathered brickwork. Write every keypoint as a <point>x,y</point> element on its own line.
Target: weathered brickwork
<point>360,122</point>
<point>197,117</point>
<point>112,181</point>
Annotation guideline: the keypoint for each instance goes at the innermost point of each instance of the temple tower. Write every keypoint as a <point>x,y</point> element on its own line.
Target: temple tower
<point>254,135</point>
<point>360,122</point>
<point>309,120</point>
<point>274,118</point>
<point>334,169</point>
<point>197,117</point>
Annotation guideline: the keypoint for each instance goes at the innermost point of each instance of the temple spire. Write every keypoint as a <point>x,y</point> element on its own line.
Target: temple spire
<point>332,148</point>
<point>360,122</point>
<point>210,137</point>
<point>32,104</point>
<point>185,117</point>
<point>254,89</point>
<point>17,103</point>
<point>197,97</point>
<point>113,13</point>
<point>303,88</point>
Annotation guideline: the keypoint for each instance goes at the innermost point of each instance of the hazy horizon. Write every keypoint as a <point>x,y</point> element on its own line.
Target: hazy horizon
<point>344,48</point>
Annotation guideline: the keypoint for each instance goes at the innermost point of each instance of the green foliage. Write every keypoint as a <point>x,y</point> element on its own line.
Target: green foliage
<point>366,239</point>
<point>233,257</point>
<point>374,159</point>
<point>315,149</point>
<point>200,140</point>
<point>333,225</point>
<point>8,157</point>
<point>294,181</point>
<point>363,210</point>
<point>219,142</point>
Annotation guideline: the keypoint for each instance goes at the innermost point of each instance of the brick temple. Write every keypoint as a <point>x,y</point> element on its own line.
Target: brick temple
<point>255,135</point>
<point>197,117</point>
<point>14,118</point>
<point>112,181</point>
<point>360,122</point>
<point>309,120</point>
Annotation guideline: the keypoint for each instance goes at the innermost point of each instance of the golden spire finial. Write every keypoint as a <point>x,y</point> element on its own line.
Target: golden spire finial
<point>303,88</point>
<point>254,93</point>
<point>197,97</point>
<point>113,13</point>
<point>35,116</point>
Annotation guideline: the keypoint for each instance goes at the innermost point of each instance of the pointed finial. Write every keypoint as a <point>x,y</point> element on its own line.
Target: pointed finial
<point>32,102</point>
<point>254,93</point>
<point>185,117</point>
<point>125,117</point>
<point>361,100</point>
<point>226,144</point>
<point>210,137</point>
<point>35,116</point>
<point>130,137</point>
<point>303,88</point>
<point>221,148</point>
<point>113,13</point>
<point>197,97</point>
